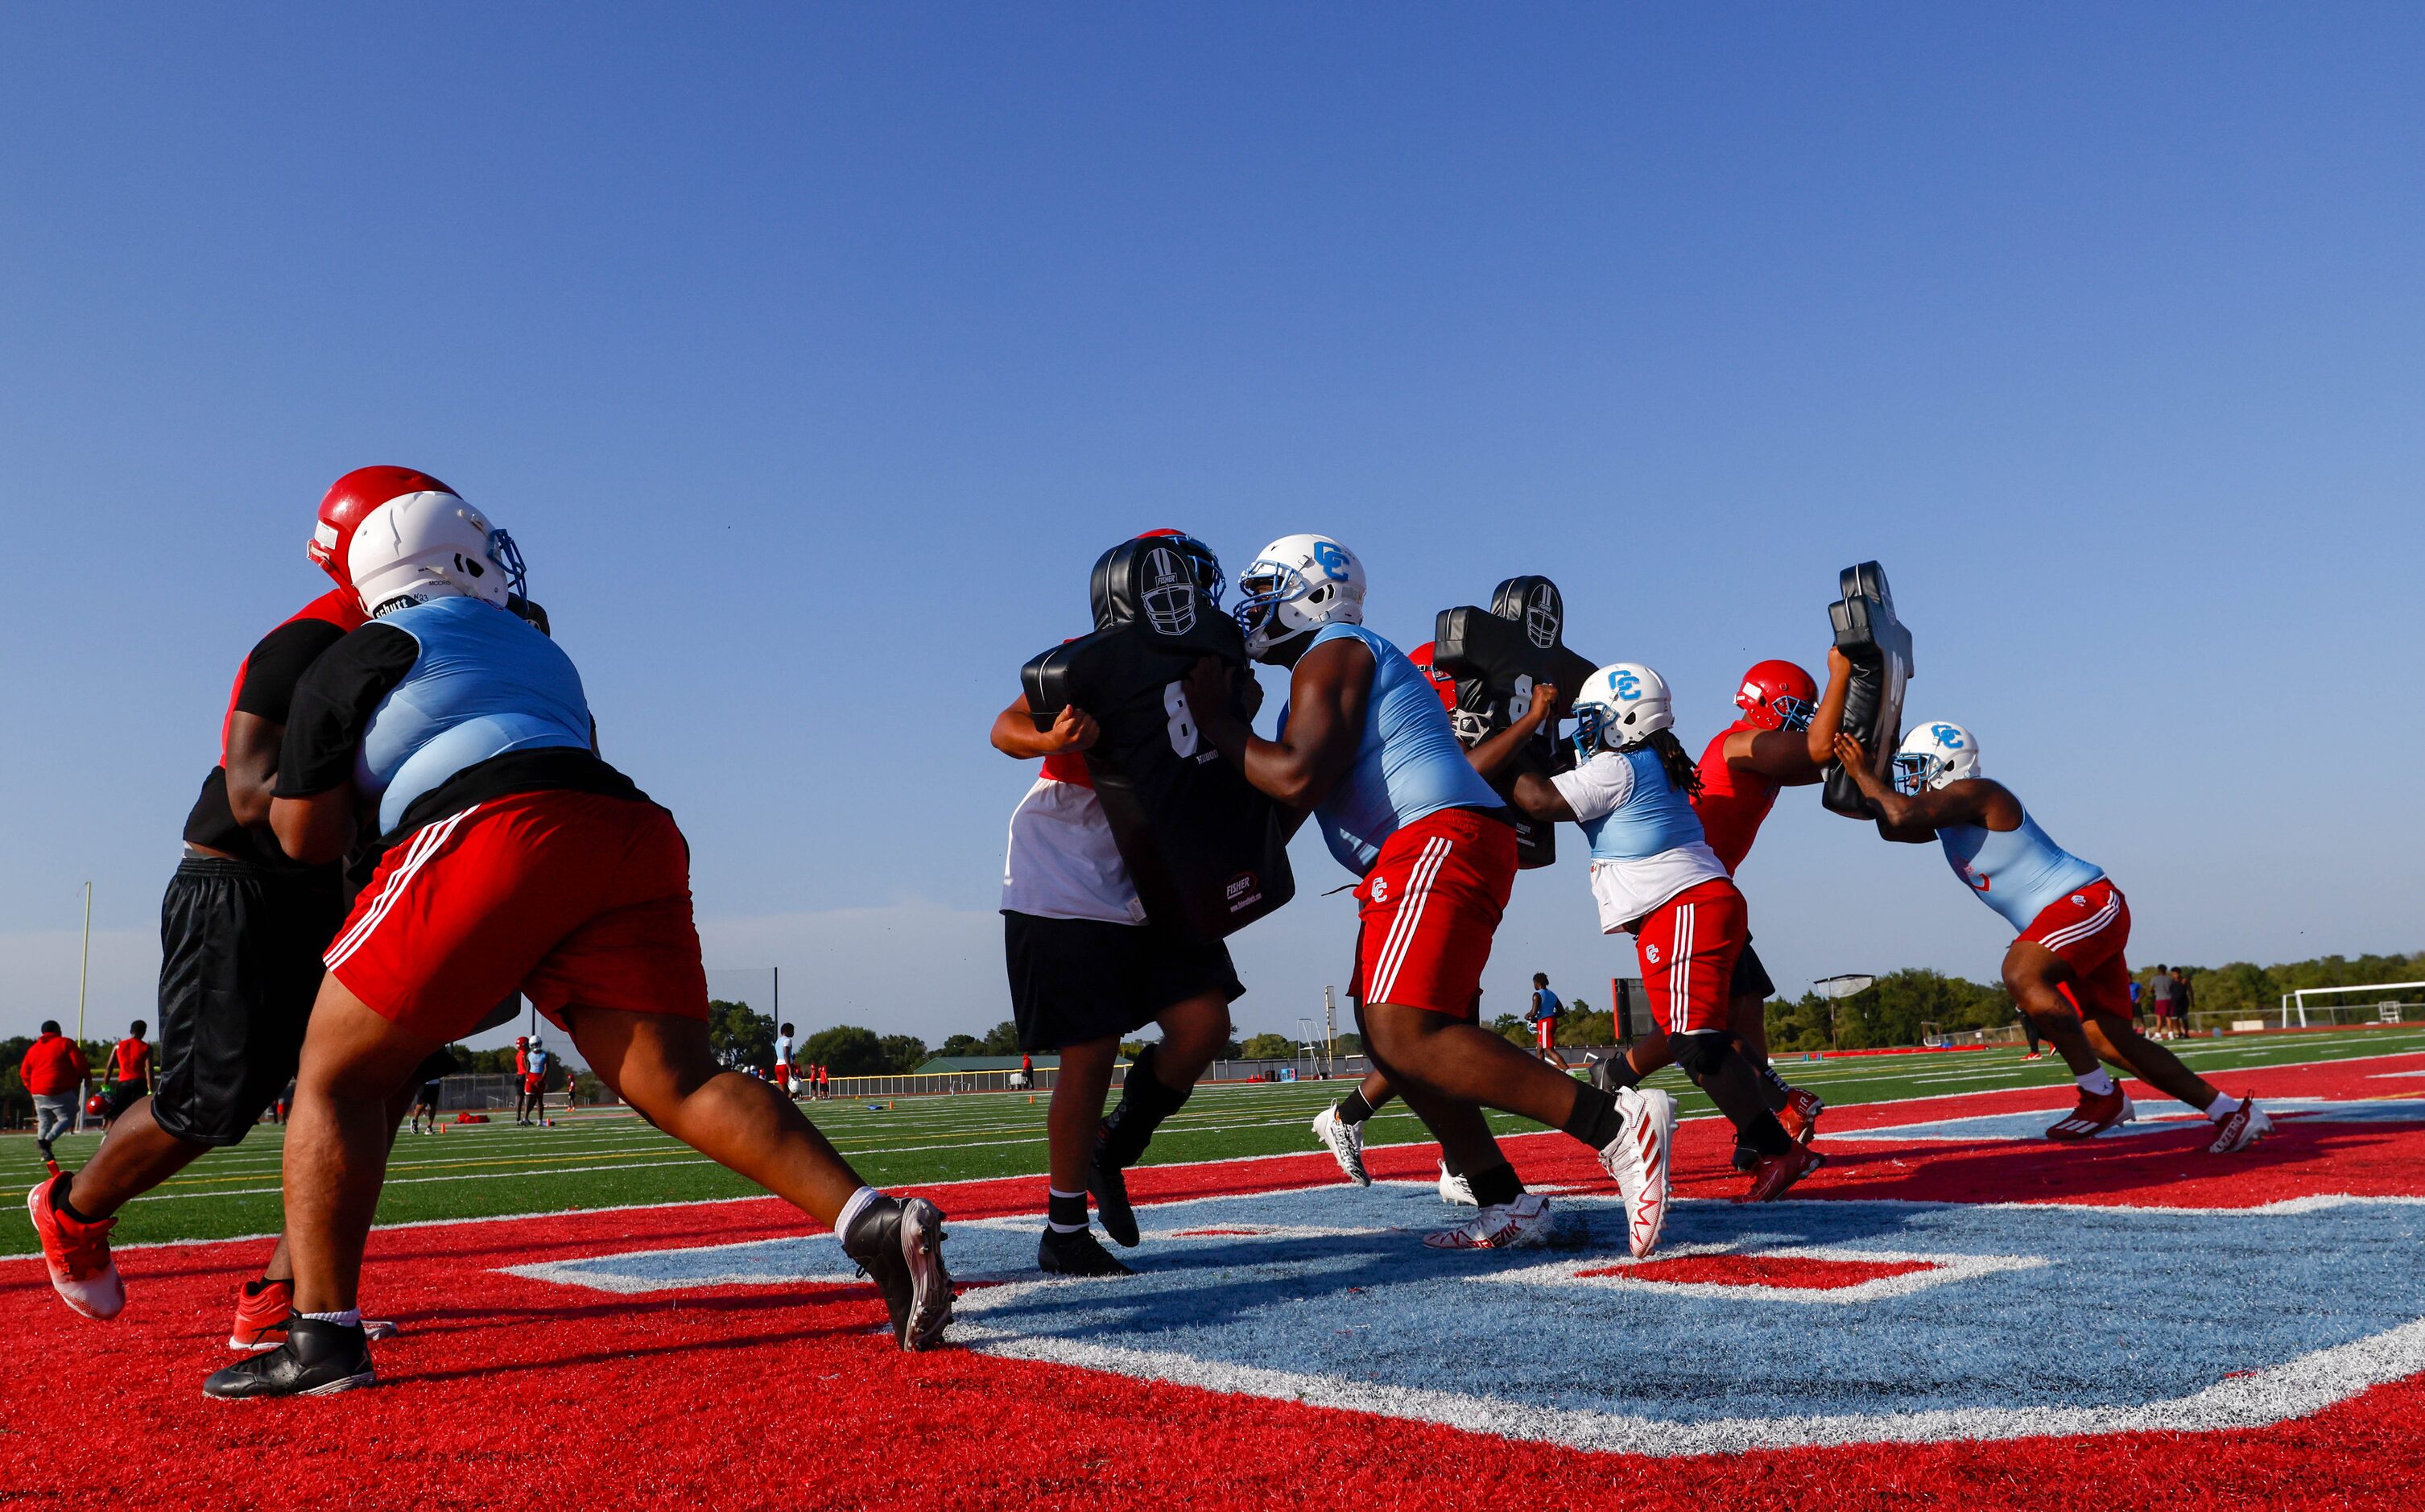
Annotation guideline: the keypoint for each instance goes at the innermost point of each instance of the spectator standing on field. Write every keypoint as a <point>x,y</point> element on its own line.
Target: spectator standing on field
<point>2181,999</point>
<point>2161,988</point>
<point>54,1069</point>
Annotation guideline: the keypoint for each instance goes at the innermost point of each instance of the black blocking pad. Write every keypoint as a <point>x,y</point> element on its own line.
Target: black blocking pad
<point>1497,656</point>
<point>1204,848</point>
<point>1879,647</point>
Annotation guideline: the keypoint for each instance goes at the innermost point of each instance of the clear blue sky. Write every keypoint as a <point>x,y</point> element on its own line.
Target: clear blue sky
<point>813,354</point>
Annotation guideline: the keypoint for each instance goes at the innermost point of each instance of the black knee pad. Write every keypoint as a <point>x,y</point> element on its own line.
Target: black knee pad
<point>1703,1054</point>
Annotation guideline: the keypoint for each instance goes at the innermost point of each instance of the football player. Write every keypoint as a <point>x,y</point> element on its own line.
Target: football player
<point>1087,968</point>
<point>1365,747</point>
<point>242,929</point>
<point>1655,876</point>
<point>2065,969</point>
<point>508,857</point>
<point>1783,737</point>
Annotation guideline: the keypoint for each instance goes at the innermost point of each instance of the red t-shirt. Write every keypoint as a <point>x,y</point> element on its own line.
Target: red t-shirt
<point>521,1063</point>
<point>1731,804</point>
<point>52,1065</point>
<point>131,1056</point>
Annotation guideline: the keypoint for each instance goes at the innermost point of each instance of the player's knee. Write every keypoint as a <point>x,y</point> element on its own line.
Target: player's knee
<point>1704,1055</point>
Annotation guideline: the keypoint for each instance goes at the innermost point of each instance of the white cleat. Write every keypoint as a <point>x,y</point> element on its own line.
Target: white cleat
<point>1456,1188</point>
<point>1638,1159</point>
<point>1507,1226</point>
<point>1345,1142</point>
<point>2241,1128</point>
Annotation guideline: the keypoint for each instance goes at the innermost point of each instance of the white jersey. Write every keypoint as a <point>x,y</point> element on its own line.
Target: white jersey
<point>1604,793</point>
<point>783,1050</point>
<point>1061,863</point>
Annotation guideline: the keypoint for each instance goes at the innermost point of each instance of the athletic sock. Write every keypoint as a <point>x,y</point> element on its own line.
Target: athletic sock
<point>852,1209</point>
<point>1621,1075</point>
<point>68,1211</point>
<point>1353,1109</point>
<point>349,1318</point>
<point>2223,1108</point>
<point>1064,1211</point>
<point>1144,1101</point>
<point>1735,1087</point>
<point>1497,1185</point>
<point>2098,1083</point>
<point>1773,1089</point>
<point>1594,1119</point>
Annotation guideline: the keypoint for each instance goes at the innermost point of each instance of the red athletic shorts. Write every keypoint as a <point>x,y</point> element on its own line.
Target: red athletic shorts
<point>532,1084</point>
<point>2088,929</point>
<point>1688,946</point>
<point>1545,1033</point>
<point>566,897</point>
<point>1430,905</point>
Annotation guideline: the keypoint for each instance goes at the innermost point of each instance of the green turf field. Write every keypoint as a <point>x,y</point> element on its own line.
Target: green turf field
<point>610,1159</point>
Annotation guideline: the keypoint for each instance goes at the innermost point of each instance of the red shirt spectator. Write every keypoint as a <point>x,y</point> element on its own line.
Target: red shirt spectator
<point>52,1065</point>
<point>132,1056</point>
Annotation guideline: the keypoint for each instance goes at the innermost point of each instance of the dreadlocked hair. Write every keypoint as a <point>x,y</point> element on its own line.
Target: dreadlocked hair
<point>1682,772</point>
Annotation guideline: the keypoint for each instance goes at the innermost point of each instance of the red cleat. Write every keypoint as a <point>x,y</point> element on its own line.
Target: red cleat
<point>1801,1115</point>
<point>2095,1114</point>
<point>77,1253</point>
<point>1779,1172</point>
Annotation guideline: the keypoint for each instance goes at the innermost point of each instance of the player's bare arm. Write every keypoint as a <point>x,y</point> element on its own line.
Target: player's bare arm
<point>1326,697</point>
<point>1014,734</point>
<point>316,830</point>
<point>252,744</point>
<point>1491,756</point>
<point>1539,798</point>
<point>1913,818</point>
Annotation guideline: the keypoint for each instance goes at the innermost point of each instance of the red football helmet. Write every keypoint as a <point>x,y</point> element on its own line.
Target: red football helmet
<point>349,501</point>
<point>1442,683</point>
<point>1778,696</point>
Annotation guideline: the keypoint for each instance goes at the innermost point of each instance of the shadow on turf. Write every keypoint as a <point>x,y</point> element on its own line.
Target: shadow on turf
<point>2001,1172</point>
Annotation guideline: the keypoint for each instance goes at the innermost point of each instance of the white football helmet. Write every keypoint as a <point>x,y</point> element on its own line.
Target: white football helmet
<point>1619,704</point>
<point>430,545</point>
<point>1295,586</point>
<point>1933,755</point>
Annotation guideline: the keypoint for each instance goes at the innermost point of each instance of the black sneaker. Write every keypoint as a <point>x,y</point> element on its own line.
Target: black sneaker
<point>899,1245</point>
<point>1076,1252</point>
<point>1110,1188</point>
<point>318,1359</point>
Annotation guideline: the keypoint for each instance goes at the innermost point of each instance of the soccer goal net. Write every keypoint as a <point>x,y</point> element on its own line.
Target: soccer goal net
<point>2367,1003</point>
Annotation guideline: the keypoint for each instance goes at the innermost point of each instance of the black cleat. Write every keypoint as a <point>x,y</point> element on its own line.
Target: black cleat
<point>319,1359</point>
<point>1747,1159</point>
<point>1077,1252</point>
<point>1110,1186</point>
<point>898,1244</point>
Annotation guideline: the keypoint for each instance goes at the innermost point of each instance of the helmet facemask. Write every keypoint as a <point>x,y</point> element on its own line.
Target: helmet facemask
<point>1792,713</point>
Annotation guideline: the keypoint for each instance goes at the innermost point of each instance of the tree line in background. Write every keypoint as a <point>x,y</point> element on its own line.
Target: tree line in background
<point>1888,1014</point>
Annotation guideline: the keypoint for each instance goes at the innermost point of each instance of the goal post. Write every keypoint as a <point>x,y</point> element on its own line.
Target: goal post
<point>2386,1006</point>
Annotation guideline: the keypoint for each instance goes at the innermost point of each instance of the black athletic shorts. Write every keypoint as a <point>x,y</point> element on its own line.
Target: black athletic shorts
<point>441,1064</point>
<point>1072,980</point>
<point>119,1097</point>
<point>240,951</point>
<point>1751,977</point>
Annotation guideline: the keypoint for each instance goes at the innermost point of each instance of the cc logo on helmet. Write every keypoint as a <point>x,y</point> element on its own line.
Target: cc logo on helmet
<point>1327,557</point>
<point>1947,736</point>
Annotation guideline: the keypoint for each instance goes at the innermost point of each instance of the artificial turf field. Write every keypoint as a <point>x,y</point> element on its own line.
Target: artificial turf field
<point>606,1158</point>
<point>1952,1314</point>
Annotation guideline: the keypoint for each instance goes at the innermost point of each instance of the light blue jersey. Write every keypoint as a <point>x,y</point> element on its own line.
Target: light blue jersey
<point>1655,817</point>
<point>1407,764</point>
<point>483,684</point>
<point>2018,873</point>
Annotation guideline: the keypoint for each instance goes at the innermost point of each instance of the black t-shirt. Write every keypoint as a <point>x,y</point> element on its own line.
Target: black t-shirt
<point>332,708</point>
<point>266,688</point>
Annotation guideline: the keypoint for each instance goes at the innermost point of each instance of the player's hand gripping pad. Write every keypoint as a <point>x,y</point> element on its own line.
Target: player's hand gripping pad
<point>1879,647</point>
<point>1497,656</point>
<point>1205,849</point>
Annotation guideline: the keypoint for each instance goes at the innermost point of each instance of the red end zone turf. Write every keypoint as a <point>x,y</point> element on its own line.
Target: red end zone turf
<point>507,1390</point>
